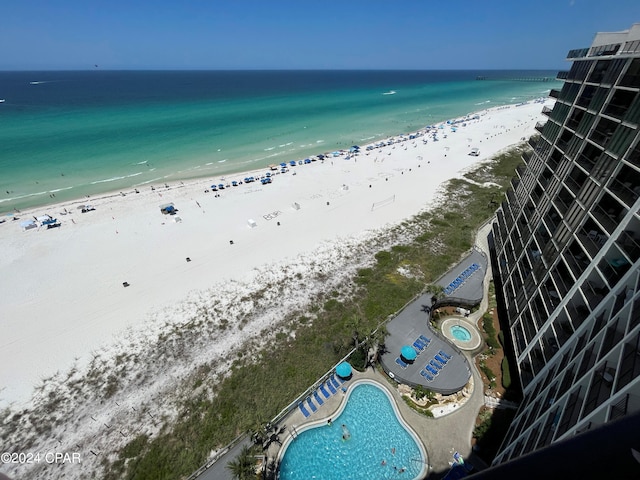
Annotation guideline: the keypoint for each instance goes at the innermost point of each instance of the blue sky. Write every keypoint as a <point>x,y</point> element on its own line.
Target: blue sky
<point>303,34</point>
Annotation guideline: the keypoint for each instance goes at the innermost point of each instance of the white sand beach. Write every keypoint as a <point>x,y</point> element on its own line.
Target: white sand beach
<point>64,302</point>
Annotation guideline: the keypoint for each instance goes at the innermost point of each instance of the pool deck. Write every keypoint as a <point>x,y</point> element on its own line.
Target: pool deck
<point>450,430</point>
<point>440,436</point>
<point>413,323</point>
<point>405,329</point>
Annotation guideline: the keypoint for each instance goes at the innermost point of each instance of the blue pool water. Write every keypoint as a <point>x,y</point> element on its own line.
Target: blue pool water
<point>321,453</point>
<point>460,333</point>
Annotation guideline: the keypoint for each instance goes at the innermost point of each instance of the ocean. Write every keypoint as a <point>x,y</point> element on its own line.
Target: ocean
<point>66,135</point>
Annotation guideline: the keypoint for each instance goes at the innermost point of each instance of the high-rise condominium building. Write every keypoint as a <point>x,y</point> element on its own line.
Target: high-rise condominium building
<point>567,253</point>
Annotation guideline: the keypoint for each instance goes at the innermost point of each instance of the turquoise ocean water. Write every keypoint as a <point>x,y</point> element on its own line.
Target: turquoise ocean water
<point>65,135</point>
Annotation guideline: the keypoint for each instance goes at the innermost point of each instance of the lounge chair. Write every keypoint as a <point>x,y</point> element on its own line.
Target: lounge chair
<point>317,397</point>
<point>431,370</point>
<point>401,362</point>
<point>304,411</point>
<point>426,375</point>
<point>440,359</point>
<point>324,391</point>
<point>444,355</point>
<point>426,340</point>
<point>435,365</point>
<point>419,346</point>
<point>438,362</point>
<point>332,389</point>
<point>312,405</point>
<point>334,381</point>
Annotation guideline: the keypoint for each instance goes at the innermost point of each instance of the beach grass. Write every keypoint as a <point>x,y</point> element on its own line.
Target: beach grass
<point>265,380</point>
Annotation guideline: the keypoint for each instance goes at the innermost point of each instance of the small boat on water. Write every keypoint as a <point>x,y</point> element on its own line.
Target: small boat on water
<point>390,92</point>
<point>2,100</point>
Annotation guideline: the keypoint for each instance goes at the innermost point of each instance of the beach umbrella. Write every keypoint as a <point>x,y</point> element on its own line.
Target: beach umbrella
<point>408,353</point>
<point>344,370</point>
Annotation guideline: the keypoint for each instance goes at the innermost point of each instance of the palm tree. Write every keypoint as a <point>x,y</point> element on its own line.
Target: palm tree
<point>243,466</point>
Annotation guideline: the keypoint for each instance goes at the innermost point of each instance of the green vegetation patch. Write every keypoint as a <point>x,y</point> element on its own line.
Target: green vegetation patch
<point>261,385</point>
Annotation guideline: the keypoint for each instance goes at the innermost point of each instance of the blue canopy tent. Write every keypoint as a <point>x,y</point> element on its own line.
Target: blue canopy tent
<point>408,353</point>
<point>344,370</point>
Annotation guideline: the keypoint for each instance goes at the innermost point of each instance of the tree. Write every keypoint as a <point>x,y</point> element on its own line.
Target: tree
<point>243,466</point>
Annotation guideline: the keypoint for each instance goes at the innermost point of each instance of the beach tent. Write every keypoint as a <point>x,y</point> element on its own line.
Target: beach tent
<point>295,206</point>
<point>252,223</point>
<point>28,225</point>
<point>168,209</point>
<point>344,370</point>
<point>408,353</point>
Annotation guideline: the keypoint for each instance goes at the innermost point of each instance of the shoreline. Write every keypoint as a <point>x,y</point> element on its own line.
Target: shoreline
<point>193,167</point>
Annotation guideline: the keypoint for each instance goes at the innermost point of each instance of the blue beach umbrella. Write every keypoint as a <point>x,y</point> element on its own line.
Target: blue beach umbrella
<point>408,353</point>
<point>344,369</point>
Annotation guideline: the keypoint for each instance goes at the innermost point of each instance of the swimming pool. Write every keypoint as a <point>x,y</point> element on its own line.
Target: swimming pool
<point>376,435</point>
<point>460,333</point>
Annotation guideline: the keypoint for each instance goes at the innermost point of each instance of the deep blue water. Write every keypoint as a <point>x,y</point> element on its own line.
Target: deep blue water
<point>80,133</point>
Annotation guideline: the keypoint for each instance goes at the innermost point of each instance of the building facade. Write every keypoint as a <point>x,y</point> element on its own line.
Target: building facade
<point>566,253</point>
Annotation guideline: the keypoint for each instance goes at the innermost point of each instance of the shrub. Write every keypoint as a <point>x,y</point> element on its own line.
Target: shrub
<point>506,374</point>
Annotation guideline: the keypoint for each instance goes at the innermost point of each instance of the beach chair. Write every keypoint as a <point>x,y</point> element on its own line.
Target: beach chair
<point>426,340</point>
<point>312,405</point>
<point>331,388</point>
<point>426,375</point>
<point>334,381</point>
<point>431,370</point>
<point>324,391</point>
<point>435,365</point>
<point>304,411</point>
<point>401,362</point>
<point>419,346</point>
<point>438,363</point>
<point>317,397</point>
<point>444,355</point>
<point>442,360</point>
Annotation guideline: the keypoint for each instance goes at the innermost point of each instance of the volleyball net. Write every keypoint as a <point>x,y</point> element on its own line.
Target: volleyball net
<point>383,203</point>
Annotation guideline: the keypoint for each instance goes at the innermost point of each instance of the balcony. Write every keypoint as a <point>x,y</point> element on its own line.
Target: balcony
<point>593,239</point>
<point>629,368</point>
<point>594,291</point>
<point>547,111</point>
<point>578,262</point>
<point>571,413</point>
<point>619,104</point>
<point>629,190</point>
<point>603,132</point>
<point>577,53</point>
<point>540,126</point>
<point>607,218</point>
<point>562,75</point>
<point>554,93</point>
<point>600,389</point>
<point>629,242</point>
<point>613,269</point>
